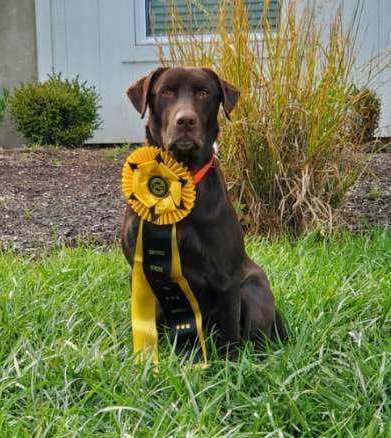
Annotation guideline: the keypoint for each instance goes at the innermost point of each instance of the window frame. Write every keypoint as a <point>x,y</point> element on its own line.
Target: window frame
<point>142,39</point>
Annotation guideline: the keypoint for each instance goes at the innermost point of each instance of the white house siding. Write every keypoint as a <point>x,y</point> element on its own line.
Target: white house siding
<point>374,38</point>
<point>102,42</point>
<point>95,39</point>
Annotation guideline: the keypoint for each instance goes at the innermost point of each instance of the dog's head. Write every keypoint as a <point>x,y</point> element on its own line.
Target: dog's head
<point>183,105</point>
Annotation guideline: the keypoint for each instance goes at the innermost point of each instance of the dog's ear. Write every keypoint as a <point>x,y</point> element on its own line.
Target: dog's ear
<point>229,93</point>
<point>230,97</point>
<point>139,92</point>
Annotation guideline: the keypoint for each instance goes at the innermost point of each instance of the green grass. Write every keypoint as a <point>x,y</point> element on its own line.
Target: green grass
<point>117,153</point>
<point>67,368</point>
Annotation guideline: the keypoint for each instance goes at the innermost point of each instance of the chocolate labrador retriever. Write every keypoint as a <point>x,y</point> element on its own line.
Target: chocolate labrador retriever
<point>233,292</point>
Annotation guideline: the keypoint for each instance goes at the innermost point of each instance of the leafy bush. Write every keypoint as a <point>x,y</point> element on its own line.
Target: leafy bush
<point>365,114</point>
<point>3,103</point>
<point>56,112</point>
<point>287,153</point>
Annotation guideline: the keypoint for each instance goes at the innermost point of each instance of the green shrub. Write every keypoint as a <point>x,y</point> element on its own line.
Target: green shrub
<point>56,112</point>
<point>286,153</point>
<point>365,114</point>
<point>3,103</point>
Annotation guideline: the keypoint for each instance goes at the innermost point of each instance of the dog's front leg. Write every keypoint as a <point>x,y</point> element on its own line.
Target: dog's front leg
<point>228,319</point>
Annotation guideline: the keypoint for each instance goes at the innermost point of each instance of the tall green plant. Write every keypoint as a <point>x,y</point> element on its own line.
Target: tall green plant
<point>287,152</point>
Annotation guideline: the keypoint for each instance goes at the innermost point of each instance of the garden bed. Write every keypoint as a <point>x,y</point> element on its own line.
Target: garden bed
<point>368,202</point>
<point>50,196</point>
<point>53,196</point>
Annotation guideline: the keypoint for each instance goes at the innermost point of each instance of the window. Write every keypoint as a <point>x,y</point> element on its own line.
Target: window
<point>157,13</point>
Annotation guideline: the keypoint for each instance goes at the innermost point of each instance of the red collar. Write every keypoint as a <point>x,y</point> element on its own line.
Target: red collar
<point>198,174</point>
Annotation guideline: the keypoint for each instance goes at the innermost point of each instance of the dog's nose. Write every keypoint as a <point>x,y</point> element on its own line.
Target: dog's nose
<point>186,119</point>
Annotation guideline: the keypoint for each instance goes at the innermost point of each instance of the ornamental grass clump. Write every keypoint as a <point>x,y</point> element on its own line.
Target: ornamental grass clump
<point>288,152</point>
<point>58,111</point>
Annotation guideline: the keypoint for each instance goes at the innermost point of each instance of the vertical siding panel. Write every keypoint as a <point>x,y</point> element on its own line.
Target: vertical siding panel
<point>384,29</point>
<point>44,23</point>
<point>82,34</point>
<point>109,69</point>
<point>59,40</point>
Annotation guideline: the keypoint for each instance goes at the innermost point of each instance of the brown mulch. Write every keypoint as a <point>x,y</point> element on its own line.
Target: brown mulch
<point>50,196</point>
<point>368,202</point>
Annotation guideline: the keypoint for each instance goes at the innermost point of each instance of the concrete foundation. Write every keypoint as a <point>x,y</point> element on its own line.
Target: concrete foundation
<point>18,56</point>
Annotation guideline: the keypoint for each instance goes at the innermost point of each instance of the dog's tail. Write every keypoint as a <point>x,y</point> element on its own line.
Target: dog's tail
<point>280,329</point>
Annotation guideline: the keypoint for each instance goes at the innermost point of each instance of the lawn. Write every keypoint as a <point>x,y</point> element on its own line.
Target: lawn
<point>67,368</point>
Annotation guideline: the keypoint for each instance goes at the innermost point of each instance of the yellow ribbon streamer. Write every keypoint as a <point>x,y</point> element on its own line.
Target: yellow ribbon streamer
<point>176,275</point>
<point>143,306</point>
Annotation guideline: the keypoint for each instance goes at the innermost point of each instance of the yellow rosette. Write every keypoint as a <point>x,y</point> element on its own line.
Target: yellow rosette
<point>158,188</point>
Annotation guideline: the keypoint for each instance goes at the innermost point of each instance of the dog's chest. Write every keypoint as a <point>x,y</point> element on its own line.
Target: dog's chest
<point>205,260</point>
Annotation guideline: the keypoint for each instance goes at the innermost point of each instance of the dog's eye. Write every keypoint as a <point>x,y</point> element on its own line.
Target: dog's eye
<point>203,92</point>
<point>167,92</point>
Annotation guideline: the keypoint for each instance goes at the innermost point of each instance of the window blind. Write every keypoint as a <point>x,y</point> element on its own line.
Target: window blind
<point>197,15</point>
